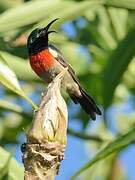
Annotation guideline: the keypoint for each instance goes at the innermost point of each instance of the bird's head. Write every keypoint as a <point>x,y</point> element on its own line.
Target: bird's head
<point>38,38</point>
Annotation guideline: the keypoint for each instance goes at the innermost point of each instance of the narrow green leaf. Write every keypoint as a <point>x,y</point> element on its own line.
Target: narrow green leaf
<point>112,147</point>
<point>7,76</point>
<point>4,162</point>
<point>10,106</point>
<point>72,12</point>
<point>26,13</point>
<point>117,64</point>
<point>95,35</point>
<point>20,66</point>
<point>127,4</point>
<point>118,18</point>
<point>6,4</point>
<point>104,28</point>
<point>9,167</point>
<point>9,80</point>
<point>97,51</point>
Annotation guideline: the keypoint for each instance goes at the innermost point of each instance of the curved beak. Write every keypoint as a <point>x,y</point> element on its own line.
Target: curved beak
<point>44,31</point>
<point>48,26</point>
<point>51,32</point>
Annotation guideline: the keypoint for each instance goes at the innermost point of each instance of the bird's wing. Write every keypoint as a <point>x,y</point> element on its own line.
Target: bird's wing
<point>86,101</point>
<point>60,58</point>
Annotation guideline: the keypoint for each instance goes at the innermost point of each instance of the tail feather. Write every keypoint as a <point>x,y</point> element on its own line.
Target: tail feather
<point>87,103</point>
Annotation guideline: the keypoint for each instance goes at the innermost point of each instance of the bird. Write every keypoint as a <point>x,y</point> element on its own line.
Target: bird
<point>47,62</point>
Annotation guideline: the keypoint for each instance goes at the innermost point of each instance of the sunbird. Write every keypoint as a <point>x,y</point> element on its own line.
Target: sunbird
<point>47,62</point>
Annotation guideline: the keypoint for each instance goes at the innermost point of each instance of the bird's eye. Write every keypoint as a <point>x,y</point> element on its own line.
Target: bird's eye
<point>33,39</point>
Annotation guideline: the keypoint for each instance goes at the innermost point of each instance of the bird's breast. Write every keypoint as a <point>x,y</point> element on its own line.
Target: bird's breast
<point>42,63</point>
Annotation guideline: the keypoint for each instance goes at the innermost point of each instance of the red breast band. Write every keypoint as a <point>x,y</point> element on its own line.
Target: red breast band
<point>41,61</point>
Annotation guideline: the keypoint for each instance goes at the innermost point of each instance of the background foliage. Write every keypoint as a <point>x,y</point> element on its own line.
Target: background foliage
<point>98,39</point>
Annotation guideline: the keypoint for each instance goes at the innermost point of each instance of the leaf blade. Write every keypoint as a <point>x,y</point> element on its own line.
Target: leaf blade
<point>116,145</point>
<point>117,64</point>
<point>32,14</point>
<point>9,166</point>
<point>127,4</point>
<point>9,80</point>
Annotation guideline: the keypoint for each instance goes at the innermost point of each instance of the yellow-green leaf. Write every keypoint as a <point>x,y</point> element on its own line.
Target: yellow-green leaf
<point>9,167</point>
<point>4,104</point>
<point>26,13</point>
<point>9,80</point>
<point>127,4</point>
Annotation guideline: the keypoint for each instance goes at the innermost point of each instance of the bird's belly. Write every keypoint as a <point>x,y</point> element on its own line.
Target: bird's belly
<point>48,75</point>
<point>67,83</point>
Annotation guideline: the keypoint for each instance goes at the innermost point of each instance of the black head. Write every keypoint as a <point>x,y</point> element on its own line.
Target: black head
<point>38,39</point>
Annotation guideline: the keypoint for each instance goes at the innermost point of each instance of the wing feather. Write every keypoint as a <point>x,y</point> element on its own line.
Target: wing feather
<point>86,101</point>
<point>61,59</point>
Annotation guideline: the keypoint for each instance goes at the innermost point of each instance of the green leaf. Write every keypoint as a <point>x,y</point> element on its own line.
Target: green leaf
<point>20,66</point>
<point>127,4</point>
<point>10,106</point>
<point>117,64</point>
<point>110,148</point>
<point>71,12</point>
<point>7,76</point>
<point>104,28</point>
<point>9,166</point>
<point>9,80</point>
<point>26,13</point>
<point>118,18</point>
<point>5,4</point>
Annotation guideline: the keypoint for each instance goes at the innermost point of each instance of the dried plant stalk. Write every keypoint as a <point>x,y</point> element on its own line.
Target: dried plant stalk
<point>46,138</point>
